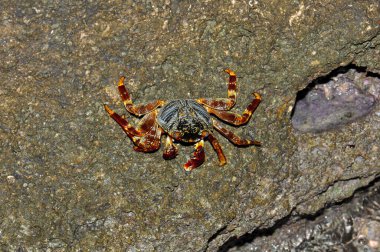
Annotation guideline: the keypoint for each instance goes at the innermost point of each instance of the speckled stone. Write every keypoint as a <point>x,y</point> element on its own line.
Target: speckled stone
<point>69,177</point>
<point>353,225</point>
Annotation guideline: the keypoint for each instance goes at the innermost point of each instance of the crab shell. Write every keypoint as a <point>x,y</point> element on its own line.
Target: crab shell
<point>185,120</point>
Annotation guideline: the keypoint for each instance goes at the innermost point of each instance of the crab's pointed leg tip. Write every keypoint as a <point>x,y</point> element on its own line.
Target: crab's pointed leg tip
<point>222,163</point>
<point>121,81</point>
<point>109,111</point>
<point>257,96</point>
<point>257,143</point>
<point>230,72</point>
<point>187,167</point>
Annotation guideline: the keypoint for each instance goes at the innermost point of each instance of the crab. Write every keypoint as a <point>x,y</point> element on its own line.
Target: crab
<point>185,120</point>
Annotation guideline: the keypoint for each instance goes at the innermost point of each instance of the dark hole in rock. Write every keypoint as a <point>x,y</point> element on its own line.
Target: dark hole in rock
<point>341,97</point>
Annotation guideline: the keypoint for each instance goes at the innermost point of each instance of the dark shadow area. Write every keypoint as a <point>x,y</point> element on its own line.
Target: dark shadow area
<point>250,238</point>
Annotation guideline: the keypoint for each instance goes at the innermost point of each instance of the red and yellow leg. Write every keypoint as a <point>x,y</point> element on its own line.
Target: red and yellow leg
<point>223,103</point>
<point>232,137</point>
<point>215,144</point>
<point>151,134</point>
<point>124,124</point>
<point>150,141</point>
<point>137,110</point>
<point>146,137</point>
<point>170,150</point>
<point>198,157</point>
<point>234,118</point>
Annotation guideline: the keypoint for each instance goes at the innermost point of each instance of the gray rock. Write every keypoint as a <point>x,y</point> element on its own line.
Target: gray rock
<point>70,179</point>
<point>353,225</point>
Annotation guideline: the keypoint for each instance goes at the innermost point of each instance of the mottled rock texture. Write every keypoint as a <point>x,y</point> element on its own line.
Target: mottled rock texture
<point>69,177</point>
<point>352,225</point>
<point>343,99</point>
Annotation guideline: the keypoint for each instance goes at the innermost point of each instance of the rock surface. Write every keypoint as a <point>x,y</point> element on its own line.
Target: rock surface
<point>341,100</point>
<point>353,225</point>
<point>69,176</point>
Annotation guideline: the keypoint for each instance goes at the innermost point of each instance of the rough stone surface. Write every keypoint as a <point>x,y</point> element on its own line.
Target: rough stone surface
<point>70,179</point>
<point>336,103</point>
<point>353,225</point>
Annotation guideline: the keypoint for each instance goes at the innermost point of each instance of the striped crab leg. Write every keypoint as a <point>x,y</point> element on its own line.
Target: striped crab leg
<point>146,137</point>
<point>223,103</point>
<point>198,157</point>
<point>137,110</point>
<point>215,144</point>
<point>232,137</point>
<point>234,118</point>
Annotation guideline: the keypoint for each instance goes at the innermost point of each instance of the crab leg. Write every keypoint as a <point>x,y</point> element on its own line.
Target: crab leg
<point>124,124</point>
<point>234,118</point>
<point>151,134</point>
<point>146,137</point>
<point>232,137</point>
<point>198,157</point>
<point>170,150</point>
<point>137,110</point>
<point>149,142</point>
<point>215,144</point>
<point>223,103</point>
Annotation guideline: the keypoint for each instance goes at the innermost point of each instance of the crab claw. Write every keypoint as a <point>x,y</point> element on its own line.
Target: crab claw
<point>197,159</point>
<point>170,152</point>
